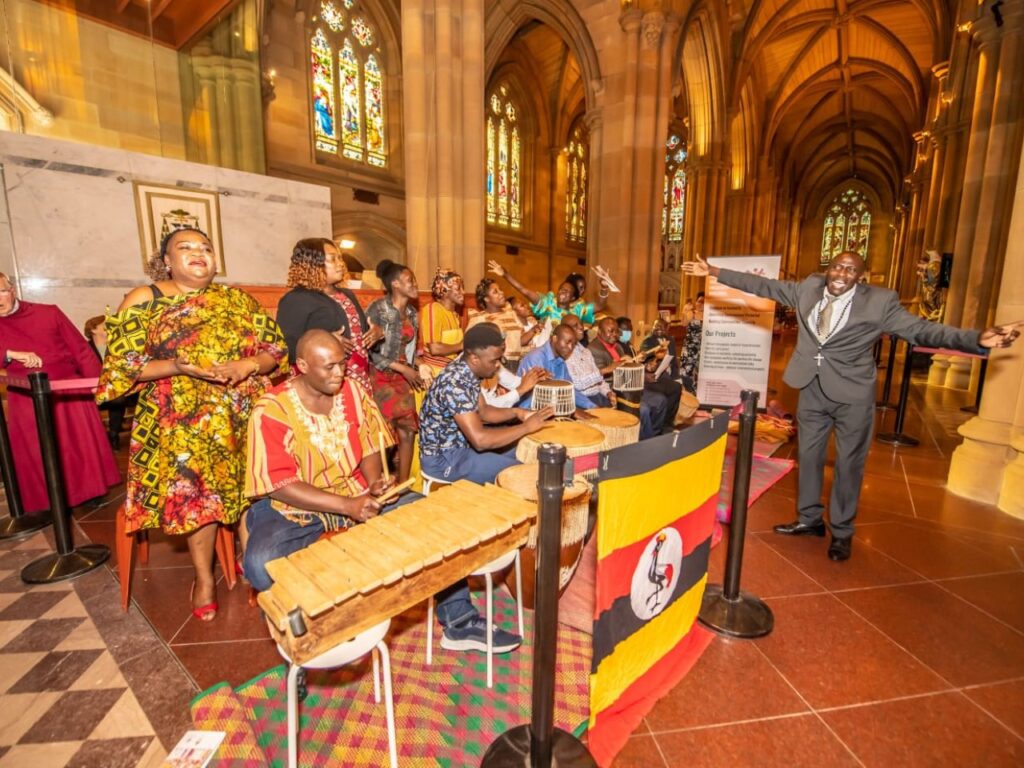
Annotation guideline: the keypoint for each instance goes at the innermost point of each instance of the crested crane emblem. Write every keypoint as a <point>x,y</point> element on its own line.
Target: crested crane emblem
<point>656,574</point>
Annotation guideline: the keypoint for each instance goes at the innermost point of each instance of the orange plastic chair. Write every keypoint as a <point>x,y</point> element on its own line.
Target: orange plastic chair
<point>125,544</point>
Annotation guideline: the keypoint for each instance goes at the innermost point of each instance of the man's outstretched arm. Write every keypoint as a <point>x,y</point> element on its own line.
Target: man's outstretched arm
<point>782,291</point>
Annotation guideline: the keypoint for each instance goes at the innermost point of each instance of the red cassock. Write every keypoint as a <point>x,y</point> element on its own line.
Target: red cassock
<point>86,458</point>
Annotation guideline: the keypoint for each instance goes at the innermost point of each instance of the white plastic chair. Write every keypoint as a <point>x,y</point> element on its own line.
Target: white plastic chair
<point>370,641</point>
<point>486,571</point>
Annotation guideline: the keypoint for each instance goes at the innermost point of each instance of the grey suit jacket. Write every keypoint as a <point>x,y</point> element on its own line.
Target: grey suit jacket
<point>847,370</point>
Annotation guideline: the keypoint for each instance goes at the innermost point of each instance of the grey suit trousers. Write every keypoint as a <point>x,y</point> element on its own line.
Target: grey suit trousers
<point>853,424</point>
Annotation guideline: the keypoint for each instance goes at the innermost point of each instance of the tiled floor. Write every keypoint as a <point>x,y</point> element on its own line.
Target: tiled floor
<point>911,653</point>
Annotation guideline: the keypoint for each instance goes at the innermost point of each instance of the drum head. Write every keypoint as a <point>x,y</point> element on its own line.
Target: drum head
<point>612,417</point>
<point>521,479</point>
<point>571,434</point>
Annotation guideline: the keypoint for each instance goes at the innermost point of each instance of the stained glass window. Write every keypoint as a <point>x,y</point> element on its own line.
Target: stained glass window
<point>347,85</point>
<point>847,226</point>
<point>576,157</point>
<point>673,215</point>
<point>332,16</point>
<point>322,61</point>
<point>362,32</point>
<point>504,162</point>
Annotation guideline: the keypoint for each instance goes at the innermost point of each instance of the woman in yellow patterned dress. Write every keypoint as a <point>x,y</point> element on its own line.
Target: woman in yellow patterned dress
<point>198,355</point>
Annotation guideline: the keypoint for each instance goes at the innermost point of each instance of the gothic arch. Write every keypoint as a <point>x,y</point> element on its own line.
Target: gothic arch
<point>505,17</point>
<point>700,65</point>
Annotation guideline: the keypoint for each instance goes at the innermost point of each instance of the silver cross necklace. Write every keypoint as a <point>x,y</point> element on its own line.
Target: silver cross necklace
<point>839,323</point>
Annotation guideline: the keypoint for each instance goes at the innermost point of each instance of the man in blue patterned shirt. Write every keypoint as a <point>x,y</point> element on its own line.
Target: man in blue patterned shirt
<point>455,441</point>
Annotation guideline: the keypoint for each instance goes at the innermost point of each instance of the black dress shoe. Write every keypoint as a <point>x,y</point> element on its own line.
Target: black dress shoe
<point>839,549</point>
<point>801,529</point>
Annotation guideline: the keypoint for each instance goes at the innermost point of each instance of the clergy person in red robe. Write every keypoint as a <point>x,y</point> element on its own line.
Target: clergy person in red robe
<point>39,337</point>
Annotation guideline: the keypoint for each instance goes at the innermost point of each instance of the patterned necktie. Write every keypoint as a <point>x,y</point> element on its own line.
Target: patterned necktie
<point>825,317</point>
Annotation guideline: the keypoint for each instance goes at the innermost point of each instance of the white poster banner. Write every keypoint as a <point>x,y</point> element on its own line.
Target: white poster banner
<point>736,340</point>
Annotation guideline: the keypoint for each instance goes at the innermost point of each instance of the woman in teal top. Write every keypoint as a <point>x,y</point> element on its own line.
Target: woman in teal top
<point>553,305</point>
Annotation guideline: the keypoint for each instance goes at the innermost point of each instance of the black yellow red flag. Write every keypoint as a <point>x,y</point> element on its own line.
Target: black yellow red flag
<point>656,513</point>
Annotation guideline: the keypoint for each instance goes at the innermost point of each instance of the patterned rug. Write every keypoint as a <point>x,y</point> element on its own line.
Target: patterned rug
<point>764,473</point>
<point>444,714</point>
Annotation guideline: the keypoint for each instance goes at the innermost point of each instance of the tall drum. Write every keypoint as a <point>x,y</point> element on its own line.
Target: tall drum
<point>522,481</point>
<point>619,427</point>
<point>628,385</point>
<point>578,439</point>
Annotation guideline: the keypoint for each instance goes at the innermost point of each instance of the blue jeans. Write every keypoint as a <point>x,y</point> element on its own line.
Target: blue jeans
<point>465,463</point>
<point>272,535</point>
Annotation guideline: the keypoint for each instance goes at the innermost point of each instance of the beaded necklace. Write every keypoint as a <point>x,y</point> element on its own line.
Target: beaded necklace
<point>838,323</point>
<point>328,433</point>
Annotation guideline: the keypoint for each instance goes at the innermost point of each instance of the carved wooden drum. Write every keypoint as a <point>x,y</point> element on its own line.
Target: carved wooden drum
<point>522,481</point>
<point>619,428</point>
<point>578,439</point>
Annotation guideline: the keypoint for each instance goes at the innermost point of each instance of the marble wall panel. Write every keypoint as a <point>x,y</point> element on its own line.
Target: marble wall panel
<point>74,232</point>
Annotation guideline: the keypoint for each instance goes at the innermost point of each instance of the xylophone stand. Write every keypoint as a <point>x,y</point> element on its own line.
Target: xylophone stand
<point>725,609</point>
<point>68,561</point>
<point>540,744</point>
<point>18,525</point>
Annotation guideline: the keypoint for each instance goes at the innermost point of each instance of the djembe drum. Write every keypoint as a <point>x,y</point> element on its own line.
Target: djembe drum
<point>628,385</point>
<point>557,393</point>
<point>522,481</point>
<point>619,427</point>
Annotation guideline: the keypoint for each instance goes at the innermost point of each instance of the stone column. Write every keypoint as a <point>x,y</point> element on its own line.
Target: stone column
<point>989,465</point>
<point>631,203</point>
<point>443,112</point>
<point>986,33</point>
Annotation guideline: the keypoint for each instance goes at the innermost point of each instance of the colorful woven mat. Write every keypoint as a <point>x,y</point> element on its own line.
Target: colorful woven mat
<point>444,713</point>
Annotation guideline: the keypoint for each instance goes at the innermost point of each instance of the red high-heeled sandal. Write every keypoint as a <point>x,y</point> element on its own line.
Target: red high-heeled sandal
<point>206,612</point>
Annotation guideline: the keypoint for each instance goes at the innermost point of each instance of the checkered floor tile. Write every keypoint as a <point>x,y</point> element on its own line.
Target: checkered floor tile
<point>63,698</point>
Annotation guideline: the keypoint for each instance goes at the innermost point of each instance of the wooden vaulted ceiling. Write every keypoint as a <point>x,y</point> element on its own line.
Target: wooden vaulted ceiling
<point>841,85</point>
<point>173,23</point>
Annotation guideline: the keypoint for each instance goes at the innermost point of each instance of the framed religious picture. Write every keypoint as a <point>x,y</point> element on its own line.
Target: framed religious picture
<point>162,208</point>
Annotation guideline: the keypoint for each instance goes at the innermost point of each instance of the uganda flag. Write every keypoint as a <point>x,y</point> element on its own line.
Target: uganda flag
<point>655,514</point>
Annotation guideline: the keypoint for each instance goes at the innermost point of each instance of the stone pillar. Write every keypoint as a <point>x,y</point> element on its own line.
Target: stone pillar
<point>986,33</point>
<point>443,112</point>
<point>989,465</point>
<point>631,202</point>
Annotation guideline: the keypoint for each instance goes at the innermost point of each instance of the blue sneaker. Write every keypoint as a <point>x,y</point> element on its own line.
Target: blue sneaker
<point>472,636</point>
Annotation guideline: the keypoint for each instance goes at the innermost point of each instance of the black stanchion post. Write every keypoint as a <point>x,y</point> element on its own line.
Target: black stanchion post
<point>540,744</point>
<point>896,437</point>
<point>981,387</point>
<point>725,608</point>
<point>18,524</point>
<point>890,365</point>
<point>67,562</point>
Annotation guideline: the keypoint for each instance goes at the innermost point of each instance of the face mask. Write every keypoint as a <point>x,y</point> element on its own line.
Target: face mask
<point>625,336</point>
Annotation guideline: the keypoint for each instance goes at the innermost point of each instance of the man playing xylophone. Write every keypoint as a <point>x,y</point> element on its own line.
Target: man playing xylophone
<point>313,468</point>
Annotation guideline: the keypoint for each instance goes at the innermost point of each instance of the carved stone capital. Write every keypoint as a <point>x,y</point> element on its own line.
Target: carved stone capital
<point>653,23</point>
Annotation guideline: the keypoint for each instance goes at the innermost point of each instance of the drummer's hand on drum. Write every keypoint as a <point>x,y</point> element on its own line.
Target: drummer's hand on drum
<point>361,508</point>
<point>582,415</point>
<point>536,419</point>
<point>529,380</point>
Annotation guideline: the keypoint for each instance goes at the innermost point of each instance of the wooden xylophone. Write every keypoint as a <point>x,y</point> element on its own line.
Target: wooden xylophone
<point>335,588</point>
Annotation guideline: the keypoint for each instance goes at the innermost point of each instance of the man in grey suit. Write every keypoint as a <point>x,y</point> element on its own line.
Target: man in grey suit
<point>833,366</point>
